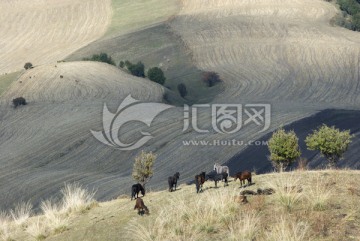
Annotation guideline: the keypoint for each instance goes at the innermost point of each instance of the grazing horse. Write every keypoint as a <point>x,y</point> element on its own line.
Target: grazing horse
<point>140,206</point>
<point>199,181</point>
<point>220,169</point>
<point>218,177</point>
<point>135,189</point>
<point>245,175</point>
<point>173,181</point>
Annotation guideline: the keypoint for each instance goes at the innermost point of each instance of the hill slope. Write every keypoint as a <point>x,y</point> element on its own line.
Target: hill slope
<point>309,213</point>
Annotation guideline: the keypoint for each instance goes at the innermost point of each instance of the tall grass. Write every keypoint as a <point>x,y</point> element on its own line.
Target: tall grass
<point>56,220</point>
<point>5,226</point>
<point>319,193</point>
<point>288,230</point>
<point>76,198</point>
<point>212,213</point>
<point>21,213</point>
<point>287,188</point>
<point>37,229</point>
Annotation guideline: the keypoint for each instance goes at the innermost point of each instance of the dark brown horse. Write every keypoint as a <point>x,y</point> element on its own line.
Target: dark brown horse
<point>245,175</point>
<point>199,181</point>
<point>173,181</point>
<point>140,206</point>
<point>135,189</point>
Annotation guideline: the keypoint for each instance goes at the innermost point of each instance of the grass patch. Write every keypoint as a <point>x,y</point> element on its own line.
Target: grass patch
<point>6,80</point>
<point>131,15</point>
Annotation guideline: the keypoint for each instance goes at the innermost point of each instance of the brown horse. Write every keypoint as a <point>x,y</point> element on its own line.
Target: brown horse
<point>199,181</point>
<point>140,206</point>
<point>245,175</point>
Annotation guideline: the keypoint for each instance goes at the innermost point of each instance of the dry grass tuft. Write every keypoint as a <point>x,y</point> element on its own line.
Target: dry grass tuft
<point>288,230</point>
<point>288,190</point>
<point>76,198</point>
<point>5,226</point>
<point>21,213</point>
<point>55,219</point>
<point>37,229</point>
<point>319,193</point>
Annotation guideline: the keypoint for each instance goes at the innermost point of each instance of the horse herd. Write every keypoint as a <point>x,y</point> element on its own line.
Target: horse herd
<point>220,173</point>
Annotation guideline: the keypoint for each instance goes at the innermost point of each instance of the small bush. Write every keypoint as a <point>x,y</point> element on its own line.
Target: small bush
<point>211,78</point>
<point>122,64</point>
<point>136,69</point>
<point>19,101</point>
<point>143,167</point>
<point>157,75</point>
<point>182,90</point>
<point>28,65</point>
<point>103,57</point>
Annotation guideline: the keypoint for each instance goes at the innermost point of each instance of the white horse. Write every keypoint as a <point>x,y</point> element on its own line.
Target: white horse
<point>221,169</point>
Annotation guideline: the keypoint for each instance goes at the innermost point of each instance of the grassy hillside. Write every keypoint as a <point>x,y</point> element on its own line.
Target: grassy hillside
<point>132,15</point>
<point>306,205</point>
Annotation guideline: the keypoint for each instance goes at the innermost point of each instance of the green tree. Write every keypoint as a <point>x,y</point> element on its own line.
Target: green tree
<point>122,64</point>
<point>157,75</point>
<point>28,65</point>
<point>284,149</point>
<point>211,78</point>
<point>102,57</point>
<point>143,167</point>
<point>331,142</point>
<point>136,69</point>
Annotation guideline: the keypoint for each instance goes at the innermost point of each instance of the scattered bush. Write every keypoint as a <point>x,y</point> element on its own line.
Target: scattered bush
<point>284,149</point>
<point>182,90</point>
<point>157,75</point>
<point>28,65</point>
<point>211,78</point>
<point>332,143</point>
<point>352,8</point>
<point>19,101</point>
<point>136,69</point>
<point>122,64</point>
<point>143,167</point>
<point>103,57</point>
